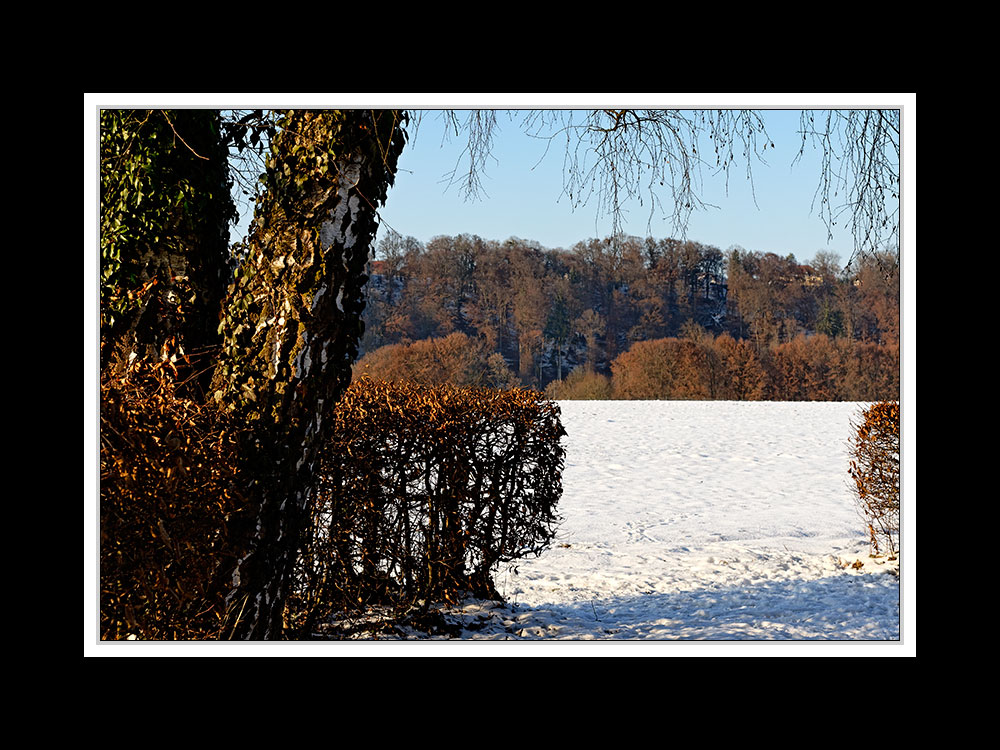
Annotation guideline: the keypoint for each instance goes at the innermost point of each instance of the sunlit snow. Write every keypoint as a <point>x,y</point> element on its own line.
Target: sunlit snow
<point>688,520</point>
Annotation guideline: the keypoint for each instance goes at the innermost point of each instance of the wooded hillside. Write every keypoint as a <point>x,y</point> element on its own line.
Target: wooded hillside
<point>755,325</point>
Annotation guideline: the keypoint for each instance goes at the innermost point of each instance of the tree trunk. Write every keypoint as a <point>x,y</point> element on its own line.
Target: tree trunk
<point>165,213</point>
<point>291,328</point>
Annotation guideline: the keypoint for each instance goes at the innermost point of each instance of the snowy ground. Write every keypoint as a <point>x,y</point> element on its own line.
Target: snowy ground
<point>689,527</point>
<point>701,521</point>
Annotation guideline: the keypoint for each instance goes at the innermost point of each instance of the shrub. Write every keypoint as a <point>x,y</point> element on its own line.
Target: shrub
<point>743,375</point>
<point>168,509</point>
<point>805,369</point>
<point>646,370</point>
<point>424,492</point>
<point>872,371</point>
<point>581,384</point>
<point>666,369</point>
<point>456,359</point>
<point>875,471</point>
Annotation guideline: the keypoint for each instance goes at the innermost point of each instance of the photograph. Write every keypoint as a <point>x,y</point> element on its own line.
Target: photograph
<point>499,374</point>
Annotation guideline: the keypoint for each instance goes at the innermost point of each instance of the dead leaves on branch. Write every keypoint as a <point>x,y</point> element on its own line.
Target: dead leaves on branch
<point>874,467</point>
<point>423,492</point>
<point>169,504</point>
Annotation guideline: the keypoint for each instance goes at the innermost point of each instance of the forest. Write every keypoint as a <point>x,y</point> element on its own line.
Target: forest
<point>627,317</point>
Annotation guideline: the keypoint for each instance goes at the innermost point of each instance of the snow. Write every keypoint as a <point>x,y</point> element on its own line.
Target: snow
<point>688,526</point>
<point>700,521</point>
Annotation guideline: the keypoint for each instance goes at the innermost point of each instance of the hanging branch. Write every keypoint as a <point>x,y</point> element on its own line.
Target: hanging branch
<point>859,177</point>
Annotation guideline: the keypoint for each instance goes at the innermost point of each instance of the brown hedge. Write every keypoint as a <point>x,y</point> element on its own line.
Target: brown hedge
<point>874,467</point>
<point>424,491</point>
<point>169,508</point>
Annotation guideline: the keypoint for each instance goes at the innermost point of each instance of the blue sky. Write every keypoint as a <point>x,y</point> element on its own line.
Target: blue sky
<point>524,196</point>
<point>523,190</point>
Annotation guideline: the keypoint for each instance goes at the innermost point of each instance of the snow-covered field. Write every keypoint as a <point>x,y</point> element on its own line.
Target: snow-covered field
<point>688,528</point>
<point>702,521</point>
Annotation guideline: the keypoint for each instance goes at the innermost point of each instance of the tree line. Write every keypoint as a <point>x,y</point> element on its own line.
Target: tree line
<point>543,317</point>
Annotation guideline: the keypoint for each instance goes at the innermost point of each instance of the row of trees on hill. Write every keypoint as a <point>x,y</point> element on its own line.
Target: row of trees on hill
<point>545,313</point>
<point>697,366</point>
<point>807,368</point>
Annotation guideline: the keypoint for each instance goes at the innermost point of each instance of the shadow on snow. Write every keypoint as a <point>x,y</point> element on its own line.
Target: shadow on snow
<point>839,607</point>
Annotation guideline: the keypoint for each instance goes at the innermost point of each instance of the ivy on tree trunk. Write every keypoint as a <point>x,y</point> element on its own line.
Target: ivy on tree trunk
<point>291,326</point>
<point>165,213</point>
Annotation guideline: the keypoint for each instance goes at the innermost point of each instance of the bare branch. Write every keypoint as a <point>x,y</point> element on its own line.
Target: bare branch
<point>620,155</point>
<point>481,127</point>
<point>859,177</point>
<point>179,137</point>
<point>614,156</point>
